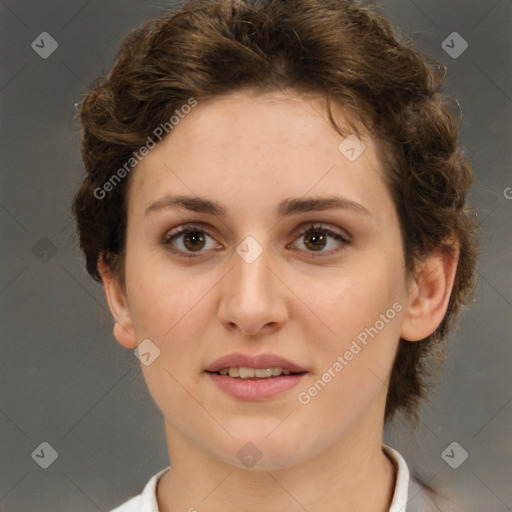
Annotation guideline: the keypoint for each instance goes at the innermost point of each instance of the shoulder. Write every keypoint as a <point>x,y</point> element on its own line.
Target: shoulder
<point>145,501</point>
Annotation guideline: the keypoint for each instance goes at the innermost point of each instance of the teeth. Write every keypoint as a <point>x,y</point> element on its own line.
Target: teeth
<point>243,372</point>
<point>234,372</point>
<point>267,372</point>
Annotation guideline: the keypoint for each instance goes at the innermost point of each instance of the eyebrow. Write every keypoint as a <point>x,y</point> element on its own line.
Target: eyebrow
<point>285,208</point>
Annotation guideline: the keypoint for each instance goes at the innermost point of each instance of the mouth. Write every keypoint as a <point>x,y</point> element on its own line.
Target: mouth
<point>238,365</point>
<point>253,378</point>
<point>246,373</point>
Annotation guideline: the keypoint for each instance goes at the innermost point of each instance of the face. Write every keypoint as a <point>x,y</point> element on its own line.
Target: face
<point>275,274</point>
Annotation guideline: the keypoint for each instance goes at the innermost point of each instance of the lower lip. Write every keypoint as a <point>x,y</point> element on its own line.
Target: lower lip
<point>261,389</point>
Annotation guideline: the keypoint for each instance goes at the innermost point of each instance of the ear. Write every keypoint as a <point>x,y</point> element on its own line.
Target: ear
<point>116,298</point>
<point>429,292</point>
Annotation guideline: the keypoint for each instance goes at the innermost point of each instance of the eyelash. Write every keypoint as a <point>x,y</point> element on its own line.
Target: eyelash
<point>309,229</point>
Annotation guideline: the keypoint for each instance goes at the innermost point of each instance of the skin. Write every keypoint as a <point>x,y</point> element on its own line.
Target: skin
<point>249,152</point>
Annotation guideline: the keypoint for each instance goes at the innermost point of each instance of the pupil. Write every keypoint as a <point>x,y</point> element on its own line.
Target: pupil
<point>194,237</point>
<point>316,237</point>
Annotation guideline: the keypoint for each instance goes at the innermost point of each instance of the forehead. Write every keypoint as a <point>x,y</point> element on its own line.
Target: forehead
<point>250,118</point>
<point>269,143</point>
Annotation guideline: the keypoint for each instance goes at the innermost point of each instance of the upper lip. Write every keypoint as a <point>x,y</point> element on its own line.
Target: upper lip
<point>257,361</point>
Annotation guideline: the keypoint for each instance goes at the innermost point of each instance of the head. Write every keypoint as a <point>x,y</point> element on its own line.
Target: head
<point>246,103</point>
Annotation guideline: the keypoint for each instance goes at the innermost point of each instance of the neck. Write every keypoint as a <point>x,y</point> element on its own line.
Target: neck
<point>354,474</point>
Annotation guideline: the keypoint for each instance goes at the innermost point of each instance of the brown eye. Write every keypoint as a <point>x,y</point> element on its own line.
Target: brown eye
<point>193,240</point>
<point>187,240</point>
<point>315,240</point>
<point>317,237</point>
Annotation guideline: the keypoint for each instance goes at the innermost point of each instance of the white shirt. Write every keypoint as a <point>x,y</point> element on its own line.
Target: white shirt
<point>409,495</point>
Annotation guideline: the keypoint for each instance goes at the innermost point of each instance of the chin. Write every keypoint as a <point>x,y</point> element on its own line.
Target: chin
<point>256,449</point>
<point>252,458</point>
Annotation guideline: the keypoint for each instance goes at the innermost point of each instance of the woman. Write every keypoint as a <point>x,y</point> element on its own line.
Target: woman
<point>274,203</point>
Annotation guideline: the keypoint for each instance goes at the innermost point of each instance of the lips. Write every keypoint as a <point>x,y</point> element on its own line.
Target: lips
<point>257,361</point>
<point>240,386</point>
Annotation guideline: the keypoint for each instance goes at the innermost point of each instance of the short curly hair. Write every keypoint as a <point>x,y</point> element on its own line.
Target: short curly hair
<point>345,52</point>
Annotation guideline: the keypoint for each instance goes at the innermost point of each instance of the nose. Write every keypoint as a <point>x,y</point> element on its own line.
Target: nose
<point>254,298</point>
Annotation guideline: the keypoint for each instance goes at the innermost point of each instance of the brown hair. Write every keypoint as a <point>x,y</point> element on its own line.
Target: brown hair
<point>344,52</point>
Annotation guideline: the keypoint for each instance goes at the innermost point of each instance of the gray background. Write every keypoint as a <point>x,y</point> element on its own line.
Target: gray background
<point>64,379</point>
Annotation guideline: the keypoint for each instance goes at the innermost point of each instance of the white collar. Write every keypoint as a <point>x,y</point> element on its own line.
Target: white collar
<point>147,501</point>
<point>399,501</point>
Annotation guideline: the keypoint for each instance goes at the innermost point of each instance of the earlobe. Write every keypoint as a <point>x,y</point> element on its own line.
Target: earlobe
<point>116,298</point>
<point>429,293</point>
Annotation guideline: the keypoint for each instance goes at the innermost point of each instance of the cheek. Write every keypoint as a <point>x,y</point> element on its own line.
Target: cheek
<point>158,296</point>
<point>362,308</point>
<point>354,299</point>
<point>353,362</point>
<point>173,310</point>
<point>167,310</point>
<point>164,313</point>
